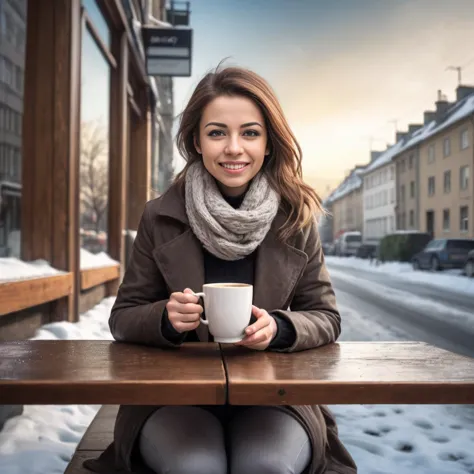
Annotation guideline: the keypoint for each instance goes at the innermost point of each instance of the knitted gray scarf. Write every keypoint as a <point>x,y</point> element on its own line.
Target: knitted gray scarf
<point>228,233</point>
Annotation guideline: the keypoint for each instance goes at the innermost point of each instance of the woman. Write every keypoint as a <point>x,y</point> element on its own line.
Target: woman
<point>238,212</point>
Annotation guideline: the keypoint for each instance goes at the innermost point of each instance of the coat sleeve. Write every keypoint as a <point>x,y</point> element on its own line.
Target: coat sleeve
<point>137,315</point>
<point>313,310</point>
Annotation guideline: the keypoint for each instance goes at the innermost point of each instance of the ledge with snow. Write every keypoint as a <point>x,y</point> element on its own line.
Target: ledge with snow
<point>27,284</point>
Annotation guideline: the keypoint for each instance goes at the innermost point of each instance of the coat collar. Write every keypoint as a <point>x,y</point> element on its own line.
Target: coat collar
<point>278,265</point>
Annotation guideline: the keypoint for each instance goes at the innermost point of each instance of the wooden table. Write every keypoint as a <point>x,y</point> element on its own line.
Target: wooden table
<point>350,373</point>
<point>105,372</point>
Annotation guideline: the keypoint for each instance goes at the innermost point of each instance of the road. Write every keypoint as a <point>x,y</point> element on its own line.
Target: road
<point>375,306</point>
<point>404,310</point>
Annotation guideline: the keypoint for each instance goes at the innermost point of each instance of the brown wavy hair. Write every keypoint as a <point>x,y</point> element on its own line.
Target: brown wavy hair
<point>283,164</point>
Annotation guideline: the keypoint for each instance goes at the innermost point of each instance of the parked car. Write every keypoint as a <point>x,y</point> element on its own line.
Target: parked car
<point>348,243</point>
<point>442,254</point>
<point>469,265</point>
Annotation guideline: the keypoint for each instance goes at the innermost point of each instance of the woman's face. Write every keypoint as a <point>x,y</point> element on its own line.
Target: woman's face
<point>233,142</point>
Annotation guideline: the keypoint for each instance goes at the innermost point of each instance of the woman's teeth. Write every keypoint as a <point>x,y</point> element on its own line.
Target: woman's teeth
<point>233,167</point>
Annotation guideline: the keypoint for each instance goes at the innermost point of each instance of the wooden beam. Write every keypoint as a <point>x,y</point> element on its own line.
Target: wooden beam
<point>37,137</point>
<point>96,276</point>
<point>113,9</point>
<point>19,295</point>
<point>50,200</point>
<point>118,152</point>
<point>139,169</point>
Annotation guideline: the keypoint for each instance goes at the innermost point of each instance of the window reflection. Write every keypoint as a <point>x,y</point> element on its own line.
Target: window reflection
<point>98,20</point>
<point>12,65</point>
<point>94,171</point>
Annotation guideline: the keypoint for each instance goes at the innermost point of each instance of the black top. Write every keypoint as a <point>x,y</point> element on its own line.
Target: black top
<point>235,271</point>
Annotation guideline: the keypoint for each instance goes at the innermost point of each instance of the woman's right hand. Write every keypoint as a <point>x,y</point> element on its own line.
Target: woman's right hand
<point>183,310</point>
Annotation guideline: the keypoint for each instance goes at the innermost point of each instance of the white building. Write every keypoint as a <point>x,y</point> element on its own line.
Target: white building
<point>379,199</point>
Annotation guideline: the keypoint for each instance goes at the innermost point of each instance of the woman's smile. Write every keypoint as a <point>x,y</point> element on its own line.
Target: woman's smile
<point>234,167</point>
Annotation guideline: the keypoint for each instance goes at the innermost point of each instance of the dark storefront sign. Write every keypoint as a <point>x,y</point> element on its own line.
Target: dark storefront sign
<point>168,51</point>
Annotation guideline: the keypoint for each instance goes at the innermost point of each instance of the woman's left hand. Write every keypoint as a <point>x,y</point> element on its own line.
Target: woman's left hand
<point>259,334</point>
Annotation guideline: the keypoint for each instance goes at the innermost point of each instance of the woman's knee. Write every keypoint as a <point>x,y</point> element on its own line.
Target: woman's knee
<point>268,441</point>
<point>183,439</point>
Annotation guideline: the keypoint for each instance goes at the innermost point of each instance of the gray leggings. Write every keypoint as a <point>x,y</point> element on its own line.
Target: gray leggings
<point>193,440</point>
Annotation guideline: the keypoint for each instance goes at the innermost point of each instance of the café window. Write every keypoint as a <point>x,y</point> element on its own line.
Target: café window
<point>12,66</point>
<point>94,136</point>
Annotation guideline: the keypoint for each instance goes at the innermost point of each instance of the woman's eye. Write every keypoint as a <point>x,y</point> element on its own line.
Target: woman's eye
<point>251,133</point>
<point>215,133</point>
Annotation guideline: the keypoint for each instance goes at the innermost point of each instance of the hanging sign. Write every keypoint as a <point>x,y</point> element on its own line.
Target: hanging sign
<point>168,51</point>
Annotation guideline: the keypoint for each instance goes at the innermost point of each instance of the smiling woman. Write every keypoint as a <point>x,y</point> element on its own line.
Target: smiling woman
<point>239,213</point>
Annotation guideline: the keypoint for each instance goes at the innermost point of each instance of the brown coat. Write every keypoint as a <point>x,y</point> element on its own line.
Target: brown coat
<point>167,257</point>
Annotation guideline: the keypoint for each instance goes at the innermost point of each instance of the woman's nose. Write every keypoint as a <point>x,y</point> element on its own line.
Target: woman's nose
<point>234,147</point>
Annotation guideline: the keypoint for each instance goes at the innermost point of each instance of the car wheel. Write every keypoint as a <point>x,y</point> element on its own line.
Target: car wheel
<point>469,268</point>
<point>435,264</point>
<point>416,265</point>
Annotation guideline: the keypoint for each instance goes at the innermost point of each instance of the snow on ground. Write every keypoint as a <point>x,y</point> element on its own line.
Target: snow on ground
<point>383,439</point>
<point>402,298</point>
<point>13,269</point>
<point>402,439</point>
<point>452,280</point>
<point>42,440</point>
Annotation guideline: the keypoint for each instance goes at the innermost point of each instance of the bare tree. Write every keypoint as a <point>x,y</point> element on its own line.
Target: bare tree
<point>94,172</point>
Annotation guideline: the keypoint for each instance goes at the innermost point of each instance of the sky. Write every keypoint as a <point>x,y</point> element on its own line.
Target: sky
<point>343,70</point>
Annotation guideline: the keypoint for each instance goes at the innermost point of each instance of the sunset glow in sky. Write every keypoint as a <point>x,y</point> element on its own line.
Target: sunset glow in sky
<point>342,69</point>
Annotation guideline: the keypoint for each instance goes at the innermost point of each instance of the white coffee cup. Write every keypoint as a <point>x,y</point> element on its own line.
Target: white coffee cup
<point>228,308</point>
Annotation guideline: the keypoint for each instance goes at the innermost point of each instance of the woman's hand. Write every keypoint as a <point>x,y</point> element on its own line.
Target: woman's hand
<point>183,310</point>
<point>259,334</point>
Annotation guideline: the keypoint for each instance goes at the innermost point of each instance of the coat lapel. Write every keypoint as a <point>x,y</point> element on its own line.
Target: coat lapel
<point>278,269</point>
<point>181,263</point>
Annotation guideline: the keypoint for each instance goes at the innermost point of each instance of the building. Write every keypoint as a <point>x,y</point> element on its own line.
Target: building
<point>84,136</point>
<point>346,203</point>
<point>379,194</point>
<point>407,179</point>
<point>446,197</point>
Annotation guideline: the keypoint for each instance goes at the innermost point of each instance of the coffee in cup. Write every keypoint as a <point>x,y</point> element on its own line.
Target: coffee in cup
<point>228,309</point>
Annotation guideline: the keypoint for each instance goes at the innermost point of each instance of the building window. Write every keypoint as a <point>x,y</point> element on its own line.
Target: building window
<point>464,219</point>
<point>392,173</point>
<point>431,186</point>
<point>464,177</point>
<point>431,153</point>
<point>412,218</point>
<point>464,139</point>
<point>12,65</point>
<point>402,193</point>
<point>446,147</point>
<point>95,104</point>
<point>446,220</point>
<point>412,189</point>
<point>447,182</point>
<point>402,166</point>
<point>392,196</point>
<point>410,161</point>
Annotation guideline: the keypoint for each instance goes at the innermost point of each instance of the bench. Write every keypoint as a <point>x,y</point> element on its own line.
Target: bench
<point>97,437</point>
<point>110,373</point>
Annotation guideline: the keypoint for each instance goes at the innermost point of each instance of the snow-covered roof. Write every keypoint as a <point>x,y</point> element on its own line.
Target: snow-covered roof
<point>385,157</point>
<point>351,183</point>
<point>456,112</point>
